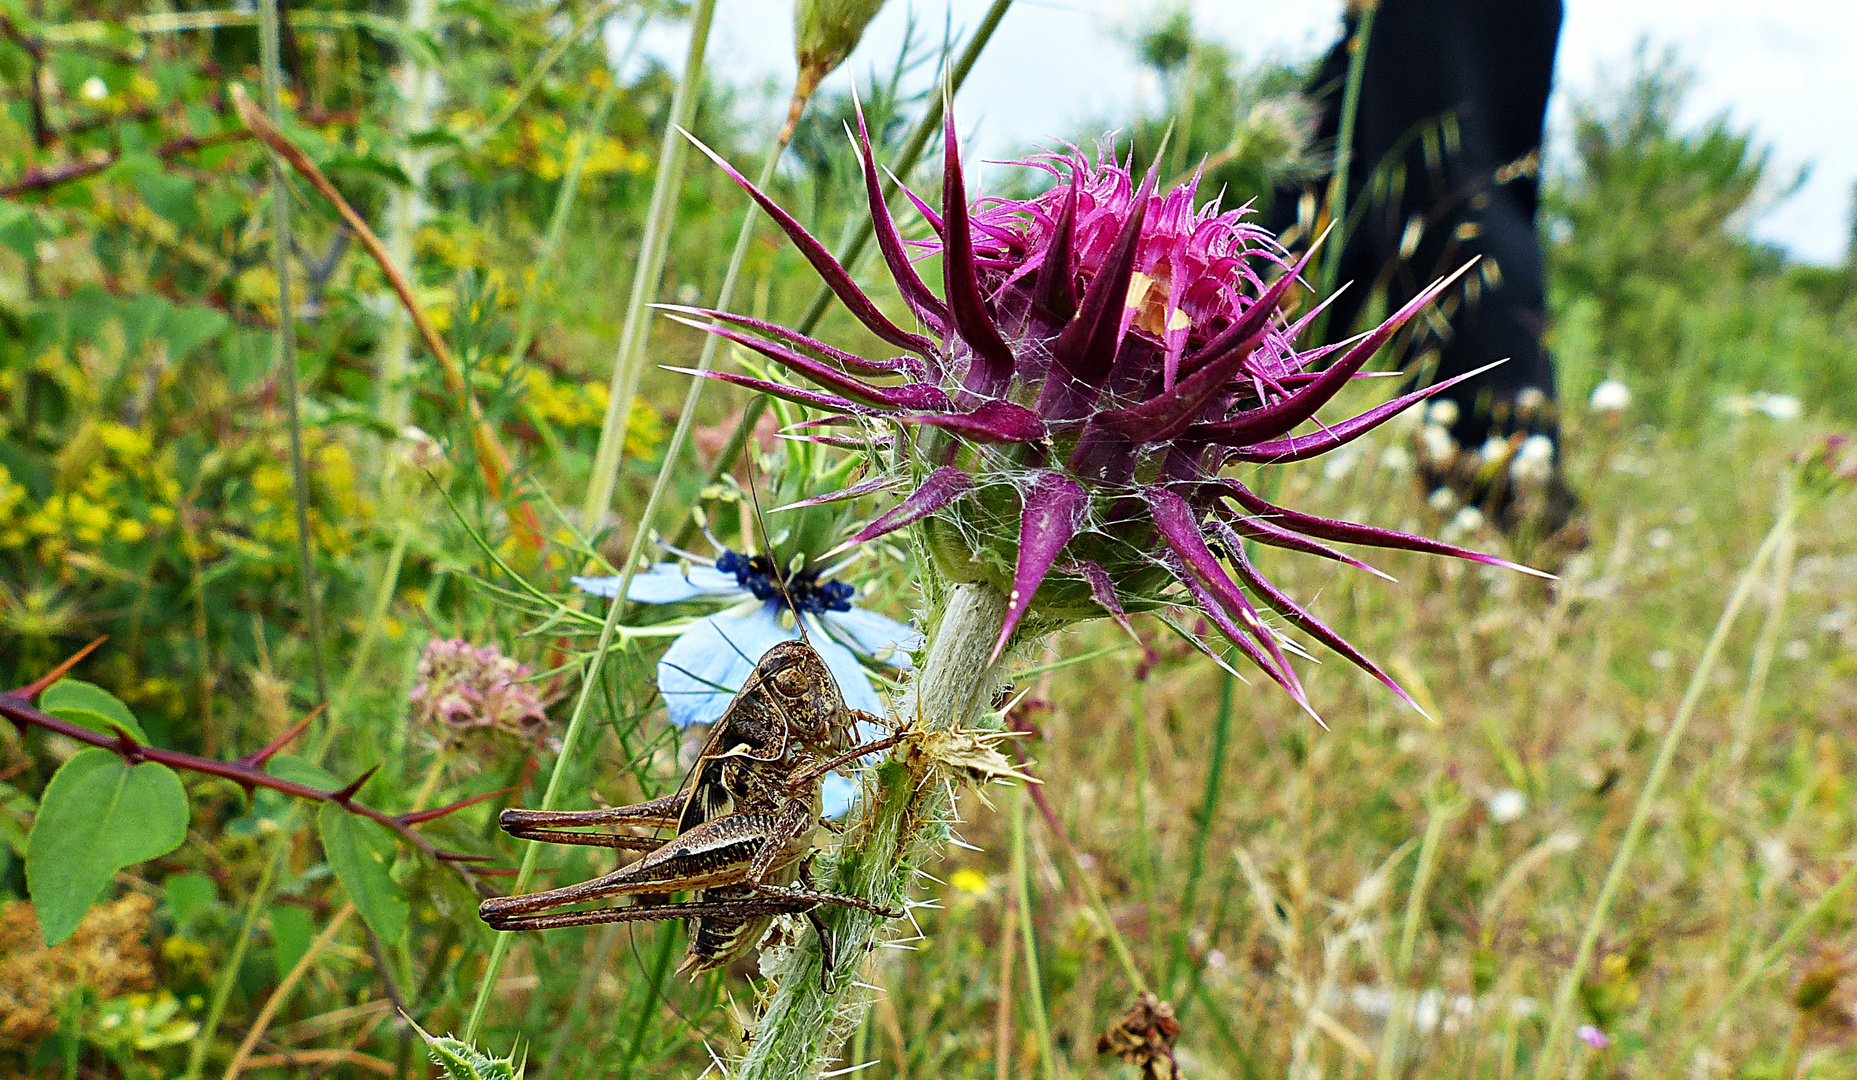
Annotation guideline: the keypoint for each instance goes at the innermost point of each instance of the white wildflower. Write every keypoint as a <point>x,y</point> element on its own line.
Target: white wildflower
<point>1442,412</point>
<point>1438,446</point>
<point>1507,805</point>
<point>1611,396</point>
<point>1443,500</point>
<point>1494,449</point>
<point>1534,462</point>
<point>94,89</point>
<point>1395,459</point>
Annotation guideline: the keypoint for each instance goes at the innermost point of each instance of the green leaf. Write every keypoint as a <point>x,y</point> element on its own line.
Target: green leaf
<point>188,893</point>
<point>302,771</point>
<point>90,706</point>
<point>188,328</point>
<point>169,195</point>
<point>97,816</point>
<point>462,1061</point>
<point>290,936</point>
<point>361,853</point>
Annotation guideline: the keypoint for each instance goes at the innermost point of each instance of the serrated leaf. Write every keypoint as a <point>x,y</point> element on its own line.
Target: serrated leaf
<point>98,815</point>
<point>90,706</point>
<point>462,1061</point>
<point>361,854</point>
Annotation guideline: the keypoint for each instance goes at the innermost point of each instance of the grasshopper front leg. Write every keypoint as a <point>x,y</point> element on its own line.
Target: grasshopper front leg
<point>786,830</point>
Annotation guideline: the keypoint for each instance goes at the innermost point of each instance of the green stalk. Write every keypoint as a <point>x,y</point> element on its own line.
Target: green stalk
<point>1203,820</point>
<point>1344,160</point>
<point>1771,955</point>
<point>418,87</point>
<point>647,273</point>
<point>569,740</point>
<point>1034,985</point>
<point>1404,1000</point>
<point>660,967</point>
<point>1641,813</point>
<point>570,189</point>
<point>902,817</point>
<point>607,942</point>
<point>287,347</point>
<point>222,991</point>
<point>849,254</point>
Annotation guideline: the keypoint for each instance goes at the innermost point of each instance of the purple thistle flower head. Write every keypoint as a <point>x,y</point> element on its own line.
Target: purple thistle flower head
<point>1070,400</point>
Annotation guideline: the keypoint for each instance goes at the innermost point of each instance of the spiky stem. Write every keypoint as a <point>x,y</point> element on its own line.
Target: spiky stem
<point>900,824</point>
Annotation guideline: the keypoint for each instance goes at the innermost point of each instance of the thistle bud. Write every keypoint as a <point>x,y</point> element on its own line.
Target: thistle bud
<point>824,33</point>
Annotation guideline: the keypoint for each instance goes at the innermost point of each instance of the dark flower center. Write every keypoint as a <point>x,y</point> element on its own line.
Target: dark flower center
<point>803,592</point>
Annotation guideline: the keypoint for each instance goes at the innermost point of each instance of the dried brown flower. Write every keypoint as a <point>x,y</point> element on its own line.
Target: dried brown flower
<point>109,954</point>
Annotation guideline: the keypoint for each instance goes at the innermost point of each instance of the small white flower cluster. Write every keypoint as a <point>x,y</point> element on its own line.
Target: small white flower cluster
<point>1782,407</point>
<point>1610,396</point>
<point>1534,461</point>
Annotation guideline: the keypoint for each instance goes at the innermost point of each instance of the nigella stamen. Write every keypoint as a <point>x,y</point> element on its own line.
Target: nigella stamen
<point>802,592</point>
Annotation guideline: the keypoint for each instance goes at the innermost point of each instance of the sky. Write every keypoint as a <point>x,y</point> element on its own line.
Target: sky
<point>1788,71</point>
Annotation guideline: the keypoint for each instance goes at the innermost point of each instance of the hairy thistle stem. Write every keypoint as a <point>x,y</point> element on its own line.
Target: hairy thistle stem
<point>803,1025</point>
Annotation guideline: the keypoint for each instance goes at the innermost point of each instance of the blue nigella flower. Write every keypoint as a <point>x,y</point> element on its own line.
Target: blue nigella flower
<point>707,664</point>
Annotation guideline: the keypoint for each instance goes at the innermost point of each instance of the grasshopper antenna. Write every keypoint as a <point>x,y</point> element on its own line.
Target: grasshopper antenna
<point>780,572</point>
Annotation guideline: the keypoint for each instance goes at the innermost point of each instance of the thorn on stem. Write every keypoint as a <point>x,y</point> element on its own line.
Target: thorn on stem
<point>38,686</point>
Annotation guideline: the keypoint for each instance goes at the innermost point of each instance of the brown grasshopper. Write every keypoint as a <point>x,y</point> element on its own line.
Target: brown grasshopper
<point>744,823</point>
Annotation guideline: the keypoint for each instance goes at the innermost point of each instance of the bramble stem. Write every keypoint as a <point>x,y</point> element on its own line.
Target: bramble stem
<point>899,820</point>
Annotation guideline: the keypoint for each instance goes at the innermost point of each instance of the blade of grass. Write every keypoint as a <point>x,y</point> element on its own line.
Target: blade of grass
<point>242,1056</point>
<point>648,271</point>
<point>1034,986</point>
<point>1545,1068</point>
<point>1405,1001</point>
<point>419,87</point>
<point>660,968</point>
<point>228,975</point>
<point>286,350</point>
<point>1344,160</point>
<point>1202,824</point>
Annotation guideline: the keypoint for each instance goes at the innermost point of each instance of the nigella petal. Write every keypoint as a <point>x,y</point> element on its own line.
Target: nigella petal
<point>794,394</point>
<point>942,487</point>
<point>898,365</point>
<point>1343,532</point>
<point>666,583</point>
<point>874,635</point>
<point>912,396</point>
<point>827,267</point>
<point>1280,418</point>
<point>992,367</point>
<point>1308,623</point>
<point>1054,509</point>
<point>989,421</point>
<point>927,306</point>
<point>836,794</point>
<point>1082,355</point>
<point>1303,447</point>
<point>708,664</point>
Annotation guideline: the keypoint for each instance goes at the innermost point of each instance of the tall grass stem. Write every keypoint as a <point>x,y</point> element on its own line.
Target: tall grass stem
<point>1034,986</point>
<point>1344,160</point>
<point>1647,798</point>
<point>647,273</point>
<point>286,351</point>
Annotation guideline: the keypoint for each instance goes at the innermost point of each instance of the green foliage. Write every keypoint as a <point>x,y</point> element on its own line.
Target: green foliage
<point>98,815</point>
<point>462,1061</point>
<point>1652,276</point>
<point>361,854</point>
<point>90,706</point>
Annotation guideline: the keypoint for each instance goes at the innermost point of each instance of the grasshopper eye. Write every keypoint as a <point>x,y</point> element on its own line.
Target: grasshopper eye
<point>792,681</point>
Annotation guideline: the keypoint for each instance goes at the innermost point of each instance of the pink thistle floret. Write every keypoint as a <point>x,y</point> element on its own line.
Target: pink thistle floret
<point>1096,357</point>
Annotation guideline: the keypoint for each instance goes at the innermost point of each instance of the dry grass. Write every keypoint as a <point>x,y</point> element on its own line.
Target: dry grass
<point>1307,933</point>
